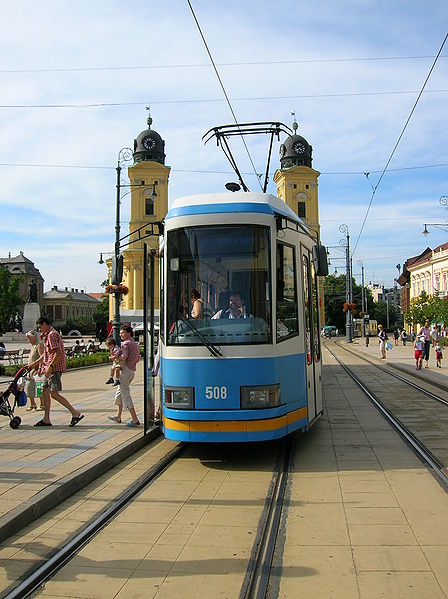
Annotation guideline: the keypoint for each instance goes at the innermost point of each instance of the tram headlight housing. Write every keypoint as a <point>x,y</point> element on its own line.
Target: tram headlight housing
<point>260,396</point>
<point>179,397</point>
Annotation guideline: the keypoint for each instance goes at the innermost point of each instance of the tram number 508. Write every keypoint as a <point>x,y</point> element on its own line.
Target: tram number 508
<point>216,392</point>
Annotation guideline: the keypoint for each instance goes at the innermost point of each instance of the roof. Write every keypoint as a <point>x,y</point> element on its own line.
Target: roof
<point>216,203</point>
<point>22,264</point>
<point>78,296</point>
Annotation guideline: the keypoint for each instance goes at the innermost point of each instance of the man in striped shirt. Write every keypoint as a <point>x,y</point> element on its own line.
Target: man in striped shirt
<point>52,365</point>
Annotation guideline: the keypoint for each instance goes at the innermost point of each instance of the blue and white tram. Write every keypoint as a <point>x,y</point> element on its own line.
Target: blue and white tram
<point>248,366</point>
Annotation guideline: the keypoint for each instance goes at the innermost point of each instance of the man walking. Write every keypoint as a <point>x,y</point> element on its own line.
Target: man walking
<point>52,366</point>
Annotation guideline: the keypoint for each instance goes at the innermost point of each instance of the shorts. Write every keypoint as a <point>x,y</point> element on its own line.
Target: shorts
<point>438,355</point>
<point>53,382</point>
<point>418,354</point>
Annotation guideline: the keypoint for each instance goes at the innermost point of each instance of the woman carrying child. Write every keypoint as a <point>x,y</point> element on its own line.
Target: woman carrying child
<point>115,371</point>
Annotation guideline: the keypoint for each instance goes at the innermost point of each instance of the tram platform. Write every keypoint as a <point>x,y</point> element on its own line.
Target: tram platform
<point>41,466</point>
<point>400,357</point>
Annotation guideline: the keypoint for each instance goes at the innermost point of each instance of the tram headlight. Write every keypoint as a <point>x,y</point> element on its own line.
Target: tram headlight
<point>260,396</point>
<point>179,397</point>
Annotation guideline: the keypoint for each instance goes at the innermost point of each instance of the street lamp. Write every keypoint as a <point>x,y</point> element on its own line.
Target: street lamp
<point>124,155</point>
<point>444,226</point>
<point>363,304</point>
<point>348,287</point>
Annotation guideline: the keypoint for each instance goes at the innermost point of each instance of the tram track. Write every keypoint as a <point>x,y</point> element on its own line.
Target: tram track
<point>258,492</point>
<point>67,551</point>
<point>436,463</point>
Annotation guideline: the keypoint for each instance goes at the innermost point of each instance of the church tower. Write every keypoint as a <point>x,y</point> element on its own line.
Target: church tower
<point>148,178</point>
<point>296,182</point>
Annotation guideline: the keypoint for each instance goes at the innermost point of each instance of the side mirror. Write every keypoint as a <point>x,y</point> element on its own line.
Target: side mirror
<point>320,260</point>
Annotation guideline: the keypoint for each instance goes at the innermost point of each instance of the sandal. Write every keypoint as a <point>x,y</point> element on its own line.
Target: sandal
<point>42,423</point>
<point>114,419</point>
<point>74,421</point>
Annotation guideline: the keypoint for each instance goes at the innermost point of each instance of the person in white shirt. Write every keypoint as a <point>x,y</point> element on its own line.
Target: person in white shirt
<point>235,310</point>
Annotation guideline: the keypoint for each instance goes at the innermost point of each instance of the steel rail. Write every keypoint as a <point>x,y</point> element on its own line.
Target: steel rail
<point>397,376</point>
<point>437,467</point>
<point>63,555</point>
<point>257,577</point>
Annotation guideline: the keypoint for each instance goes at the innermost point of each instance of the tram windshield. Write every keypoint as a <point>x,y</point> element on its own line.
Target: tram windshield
<point>218,285</point>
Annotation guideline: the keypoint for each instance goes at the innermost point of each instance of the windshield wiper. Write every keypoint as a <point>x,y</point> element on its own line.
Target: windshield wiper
<point>211,348</point>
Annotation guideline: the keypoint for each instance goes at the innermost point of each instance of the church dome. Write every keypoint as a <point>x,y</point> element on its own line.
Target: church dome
<point>149,146</point>
<point>295,151</point>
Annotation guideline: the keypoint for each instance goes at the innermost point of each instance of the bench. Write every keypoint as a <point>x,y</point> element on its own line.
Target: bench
<point>16,356</point>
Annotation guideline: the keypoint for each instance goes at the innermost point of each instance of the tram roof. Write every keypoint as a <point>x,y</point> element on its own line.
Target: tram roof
<point>216,203</point>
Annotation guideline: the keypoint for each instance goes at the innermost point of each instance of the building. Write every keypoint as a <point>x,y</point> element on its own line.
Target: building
<point>21,265</point>
<point>429,272</point>
<point>148,177</point>
<point>377,291</point>
<point>60,305</point>
<point>297,186</point>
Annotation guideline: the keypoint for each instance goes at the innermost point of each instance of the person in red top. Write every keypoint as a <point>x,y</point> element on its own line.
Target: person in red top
<point>130,355</point>
<point>52,365</point>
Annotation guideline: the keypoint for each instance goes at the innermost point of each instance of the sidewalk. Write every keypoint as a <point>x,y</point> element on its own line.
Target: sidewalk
<point>40,467</point>
<point>401,358</point>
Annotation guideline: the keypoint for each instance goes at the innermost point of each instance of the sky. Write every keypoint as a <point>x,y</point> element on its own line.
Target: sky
<point>75,78</point>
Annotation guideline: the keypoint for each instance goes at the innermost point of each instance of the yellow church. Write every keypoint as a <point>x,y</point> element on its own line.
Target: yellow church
<point>296,183</point>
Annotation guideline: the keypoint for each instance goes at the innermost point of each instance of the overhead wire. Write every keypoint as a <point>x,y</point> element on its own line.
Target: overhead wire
<point>375,188</point>
<point>83,105</point>
<point>224,91</point>
<point>205,65</point>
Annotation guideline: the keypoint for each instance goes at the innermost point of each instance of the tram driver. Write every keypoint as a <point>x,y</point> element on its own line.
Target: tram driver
<point>235,310</point>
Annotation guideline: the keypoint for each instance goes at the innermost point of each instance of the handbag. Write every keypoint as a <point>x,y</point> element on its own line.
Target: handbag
<point>389,345</point>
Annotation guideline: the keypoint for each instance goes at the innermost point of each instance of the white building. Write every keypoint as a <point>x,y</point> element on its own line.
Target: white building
<point>430,273</point>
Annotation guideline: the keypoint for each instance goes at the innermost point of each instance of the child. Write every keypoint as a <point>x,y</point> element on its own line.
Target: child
<point>438,355</point>
<point>418,347</point>
<point>115,371</point>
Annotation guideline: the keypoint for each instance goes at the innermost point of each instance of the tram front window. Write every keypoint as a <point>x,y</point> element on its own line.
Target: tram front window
<point>218,285</point>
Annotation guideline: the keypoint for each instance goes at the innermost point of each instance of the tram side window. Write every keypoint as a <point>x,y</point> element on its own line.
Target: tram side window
<point>287,312</point>
<point>307,314</point>
<point>315,299</point>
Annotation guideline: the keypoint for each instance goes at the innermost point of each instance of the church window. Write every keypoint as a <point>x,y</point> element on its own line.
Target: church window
<point>295,186</point>
<point>142,182</point>
<point>301,209</point>
<point>307,186</point>
<point>149,207</point>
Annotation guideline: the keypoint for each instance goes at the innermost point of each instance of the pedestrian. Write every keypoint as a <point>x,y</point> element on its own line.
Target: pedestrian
<point>52,365</point>
<point>413,336</point>
<point>404,337</point>
<point>115,371</point>
<point>37,349</point>
<point>438,355</point>
<point>130,355</point>
<point>396,336</point>
<point>383,341</point>
<point>418,351</point>
<point>435,335</point>
<point>426,334</point>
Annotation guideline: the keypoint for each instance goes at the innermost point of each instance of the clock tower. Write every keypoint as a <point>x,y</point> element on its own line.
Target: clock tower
<point>148,178</point>
<point>296,182</point>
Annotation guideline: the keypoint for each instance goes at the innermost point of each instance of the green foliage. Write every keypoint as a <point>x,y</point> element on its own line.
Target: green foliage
<point>379,313</point>
<point>335,297</point>
<point>10,301</point>
<point>85,326</point>
<point>99,357</point>
<point>425,306</point>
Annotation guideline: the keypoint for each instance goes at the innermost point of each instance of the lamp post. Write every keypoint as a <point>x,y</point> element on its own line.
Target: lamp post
<point>124,155</point>
<point>363,304</point>
<point>348,286</point>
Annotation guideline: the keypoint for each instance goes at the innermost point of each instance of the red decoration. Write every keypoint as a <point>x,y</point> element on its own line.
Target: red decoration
<point>117,289</point>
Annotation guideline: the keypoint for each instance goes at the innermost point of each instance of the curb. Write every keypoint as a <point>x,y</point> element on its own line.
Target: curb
<point>56,493</point>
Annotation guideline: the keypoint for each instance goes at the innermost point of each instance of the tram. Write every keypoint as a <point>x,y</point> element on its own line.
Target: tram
<point>247,367</point>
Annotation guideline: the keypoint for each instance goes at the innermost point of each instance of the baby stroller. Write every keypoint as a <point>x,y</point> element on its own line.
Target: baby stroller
<point>15,388</point>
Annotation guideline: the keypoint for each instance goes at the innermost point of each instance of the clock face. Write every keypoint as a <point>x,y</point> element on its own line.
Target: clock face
<point>298,147</point>
<point>149,143</point>
<point>282,150</point>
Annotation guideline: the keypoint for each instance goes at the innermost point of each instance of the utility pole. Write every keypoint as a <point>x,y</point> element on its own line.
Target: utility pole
<point>348,286</point>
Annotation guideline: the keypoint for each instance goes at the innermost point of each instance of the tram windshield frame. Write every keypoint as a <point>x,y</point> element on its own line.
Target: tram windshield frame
<point>230,267</point>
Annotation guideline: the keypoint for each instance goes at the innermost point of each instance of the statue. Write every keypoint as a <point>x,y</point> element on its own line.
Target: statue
<point>32,294</point>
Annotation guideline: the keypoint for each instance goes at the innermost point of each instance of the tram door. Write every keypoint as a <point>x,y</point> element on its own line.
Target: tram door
<point>309,336</point>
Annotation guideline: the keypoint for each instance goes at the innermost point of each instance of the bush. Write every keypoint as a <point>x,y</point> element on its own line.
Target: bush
<point>99,357</point>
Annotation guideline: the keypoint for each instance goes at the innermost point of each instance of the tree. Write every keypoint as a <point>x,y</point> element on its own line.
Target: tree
<point>101,317</point>
<point>10,301</point>
<point>335,297</point>
<point>379,313</point>
<point>426,307</point>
